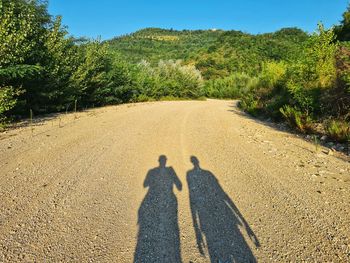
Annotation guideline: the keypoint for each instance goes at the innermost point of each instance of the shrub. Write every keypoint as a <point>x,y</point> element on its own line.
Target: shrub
<point>297,119</point>
<point>266,94</point>
<point>338,130</point>
<point>272,74</point>
<point>142,98</point>
<point>227,88</point>
<point>183,81</point>
<point>169,78</point>
<point>7,100</point>
<point>249,104</point>
<point>322,50</point>
<point>306,99</point>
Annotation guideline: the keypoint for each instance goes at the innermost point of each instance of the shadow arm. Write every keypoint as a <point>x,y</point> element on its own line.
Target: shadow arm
<point>176,179</point>
<point>244,223</point>
<point>146,183</point>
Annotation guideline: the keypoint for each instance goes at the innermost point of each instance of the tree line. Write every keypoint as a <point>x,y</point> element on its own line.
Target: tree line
<point>43,69</point>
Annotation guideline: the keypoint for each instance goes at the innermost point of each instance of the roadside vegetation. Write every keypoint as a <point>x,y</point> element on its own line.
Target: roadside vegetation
<point>310,90</point>
<point>287,75</point>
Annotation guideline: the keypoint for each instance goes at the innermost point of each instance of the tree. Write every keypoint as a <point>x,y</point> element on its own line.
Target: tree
<point>22,27</point>
<point>90,78</point>
<point>343,30</point>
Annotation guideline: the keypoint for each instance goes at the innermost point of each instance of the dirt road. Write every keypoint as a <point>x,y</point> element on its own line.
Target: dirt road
<point>169,182</point>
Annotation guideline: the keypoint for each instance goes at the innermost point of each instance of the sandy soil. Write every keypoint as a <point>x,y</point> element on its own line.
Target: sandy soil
<point>170,182</point>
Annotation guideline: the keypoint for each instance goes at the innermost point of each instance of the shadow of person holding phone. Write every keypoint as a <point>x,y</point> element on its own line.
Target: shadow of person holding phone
<point>158,236</point>
<point>216,219</point>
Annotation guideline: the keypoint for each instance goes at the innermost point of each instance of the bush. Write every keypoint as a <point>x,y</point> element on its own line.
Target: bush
<point>7,100</point>
<point>227,88</point>
<point>142,98</point>
<point>322,51</point>
<point>249,104</point>
<point>338,130</point>
<point>183,81</point>
<point>297,119</point>
<point>266,94</point>
<point>305,99</point>
<point>272,74</point>
<point>169,78</point>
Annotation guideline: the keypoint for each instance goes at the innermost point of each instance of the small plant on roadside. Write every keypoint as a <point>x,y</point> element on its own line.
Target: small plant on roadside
<point>142,98</point>
<point>31,120</point>
<point>316,142</point>
<point>249,104</point>
<point>2,126</point>
<point>75,109</point>
<point>7,101</point>
<point>338,130</point>
<point>297,119</point>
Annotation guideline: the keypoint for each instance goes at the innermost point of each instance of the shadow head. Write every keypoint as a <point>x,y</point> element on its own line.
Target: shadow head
<point>194,161</point>
<point>162,160</point>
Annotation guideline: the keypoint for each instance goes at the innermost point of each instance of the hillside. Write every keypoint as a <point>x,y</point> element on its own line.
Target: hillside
<point>153,44</point>
<point>217,53</point>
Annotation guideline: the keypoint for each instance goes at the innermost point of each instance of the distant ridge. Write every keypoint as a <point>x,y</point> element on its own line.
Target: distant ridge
<point>216,52</point>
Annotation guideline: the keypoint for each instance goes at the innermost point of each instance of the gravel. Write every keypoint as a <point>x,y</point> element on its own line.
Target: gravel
<point>74,189</point>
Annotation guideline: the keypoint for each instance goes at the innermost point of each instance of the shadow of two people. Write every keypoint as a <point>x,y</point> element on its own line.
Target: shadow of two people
<point>216,219</point>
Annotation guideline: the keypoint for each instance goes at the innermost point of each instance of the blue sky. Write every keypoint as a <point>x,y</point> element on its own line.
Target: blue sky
<point>108,18</point>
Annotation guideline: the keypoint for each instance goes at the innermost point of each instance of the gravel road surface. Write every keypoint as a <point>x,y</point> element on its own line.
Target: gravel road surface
<point>192,181</point>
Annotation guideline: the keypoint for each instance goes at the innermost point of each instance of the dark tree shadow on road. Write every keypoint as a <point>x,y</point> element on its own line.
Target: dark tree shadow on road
<point>216,219</point>
<point>158,236</point>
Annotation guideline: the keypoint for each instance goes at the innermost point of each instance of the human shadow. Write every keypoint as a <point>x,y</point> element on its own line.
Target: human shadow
<point>158,236</point>
<point>216,219</point>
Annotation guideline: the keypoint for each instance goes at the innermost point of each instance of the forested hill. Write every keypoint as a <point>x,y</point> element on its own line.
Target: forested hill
<point>217,53</point>
<point>153,44</point>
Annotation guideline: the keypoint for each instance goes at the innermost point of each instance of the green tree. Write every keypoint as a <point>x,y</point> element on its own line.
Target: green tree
<point>321,56</point>
<point>343,30</point>
<point>90,78</point>
<point>7,100</point>
<point>22,24</point>
<point>60,61</point>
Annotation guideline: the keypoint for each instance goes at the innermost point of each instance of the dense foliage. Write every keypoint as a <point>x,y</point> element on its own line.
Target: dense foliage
<point>215,53</point>
<point>312,88</point>
<point>44,70</point>
<point>37,58</point>
<point>235,52</point>
<point>343,30</point>
<point>155,44</point>
<point>168,79</point>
